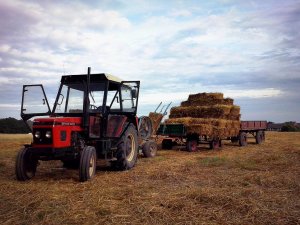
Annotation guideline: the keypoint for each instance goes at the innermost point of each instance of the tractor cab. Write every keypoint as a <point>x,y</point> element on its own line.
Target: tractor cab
<point>98,103</point>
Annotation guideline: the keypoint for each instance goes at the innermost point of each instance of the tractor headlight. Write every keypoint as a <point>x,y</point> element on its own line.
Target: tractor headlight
<point>37,134</point>
<point>48,134</point>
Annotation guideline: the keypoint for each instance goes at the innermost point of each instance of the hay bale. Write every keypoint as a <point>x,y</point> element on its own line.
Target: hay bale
<point>207,114</point>
<point>207,102</point>
<point>195,97</point>
<point>217,111</point>
<point>187,121</point>
<point>209,127</point>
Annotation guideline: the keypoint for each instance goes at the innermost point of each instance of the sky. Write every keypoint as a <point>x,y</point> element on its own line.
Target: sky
<point>248,50</point>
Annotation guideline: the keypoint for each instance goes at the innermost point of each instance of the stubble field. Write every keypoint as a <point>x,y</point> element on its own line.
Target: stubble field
<point>256,184</point>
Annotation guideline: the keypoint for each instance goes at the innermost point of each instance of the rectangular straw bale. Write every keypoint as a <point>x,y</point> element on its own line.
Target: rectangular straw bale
<point>214,122</point>
<point>201,129</point>
<point>235,110</point>
<point>194,97</point>
<point>209,127</point>
<point>228,101</point>
<point>207,102</point>
<point>217,111</point>
<point>204,129</point>
<point>233,117</point>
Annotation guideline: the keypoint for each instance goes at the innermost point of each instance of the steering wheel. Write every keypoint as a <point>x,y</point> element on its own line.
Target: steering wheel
<point>94,107</point>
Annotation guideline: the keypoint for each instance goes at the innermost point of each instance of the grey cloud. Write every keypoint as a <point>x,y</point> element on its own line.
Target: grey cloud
<point>15,23</point>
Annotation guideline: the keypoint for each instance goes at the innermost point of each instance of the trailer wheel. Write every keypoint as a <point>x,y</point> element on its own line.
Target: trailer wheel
<point>259,137</point>
<point>215,144</point>
<point>87,165</point>
<point>167,144</point>
<point>191,145</point>
<point>25,165</point>
<point>127,150</point>
<point>243,139</point>
<point>150,149</point>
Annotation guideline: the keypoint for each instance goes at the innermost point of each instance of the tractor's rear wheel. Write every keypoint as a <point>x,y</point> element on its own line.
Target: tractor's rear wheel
<point>87,166</point>
<point>127,150</point>
<point>150,149</point>
<point>25,165</point>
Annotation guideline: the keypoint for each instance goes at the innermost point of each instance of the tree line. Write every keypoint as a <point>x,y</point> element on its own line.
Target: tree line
<point>13,126</point>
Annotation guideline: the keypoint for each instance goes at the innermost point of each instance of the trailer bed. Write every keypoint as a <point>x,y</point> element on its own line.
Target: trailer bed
<point>253,125</point>
<point>179,131</point>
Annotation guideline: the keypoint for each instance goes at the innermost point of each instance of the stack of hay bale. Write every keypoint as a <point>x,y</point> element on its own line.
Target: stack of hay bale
<point>208,114</point>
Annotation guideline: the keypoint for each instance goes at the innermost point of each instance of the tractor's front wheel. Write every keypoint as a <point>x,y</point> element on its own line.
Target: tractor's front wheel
<point>127,150</point>
<point>25,165</point>
<point>87,165</point>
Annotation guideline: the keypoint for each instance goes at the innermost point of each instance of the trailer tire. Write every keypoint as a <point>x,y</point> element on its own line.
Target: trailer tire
<point>127,150</point>
<point>167,144</point>
<point>259,137</point>
<point>191,145</point>
<point>150,149</point>
<point>26,165</point>
<point>215,144</point>
<point>243,139</point>
<point>87,165</point>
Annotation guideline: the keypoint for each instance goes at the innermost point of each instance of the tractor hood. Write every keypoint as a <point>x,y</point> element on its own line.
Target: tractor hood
<point>58,121</point>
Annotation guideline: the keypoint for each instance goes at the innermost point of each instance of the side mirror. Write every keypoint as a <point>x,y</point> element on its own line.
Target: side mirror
<point>134,93</point>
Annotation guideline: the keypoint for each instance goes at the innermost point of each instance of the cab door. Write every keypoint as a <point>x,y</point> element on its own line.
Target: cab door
<point>34,102</point>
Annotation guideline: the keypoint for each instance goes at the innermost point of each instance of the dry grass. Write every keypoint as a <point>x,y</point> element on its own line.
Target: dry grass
<point>250,185</point>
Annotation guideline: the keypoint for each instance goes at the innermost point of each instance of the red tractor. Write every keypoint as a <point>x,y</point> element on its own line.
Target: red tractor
<point>94,117</point>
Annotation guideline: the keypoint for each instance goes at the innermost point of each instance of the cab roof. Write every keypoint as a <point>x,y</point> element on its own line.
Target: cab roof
<point>93,78</point>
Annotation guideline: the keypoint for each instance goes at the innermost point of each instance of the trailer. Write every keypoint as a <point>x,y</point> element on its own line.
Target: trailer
<point>176,134</point>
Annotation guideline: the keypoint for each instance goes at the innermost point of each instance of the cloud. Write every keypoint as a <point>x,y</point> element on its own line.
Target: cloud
<point>241,49</point>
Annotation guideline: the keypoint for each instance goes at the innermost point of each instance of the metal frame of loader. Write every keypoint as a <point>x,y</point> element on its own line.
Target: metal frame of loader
<point>79,132</point>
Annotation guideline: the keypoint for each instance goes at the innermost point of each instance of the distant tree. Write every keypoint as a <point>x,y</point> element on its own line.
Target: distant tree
<point>290,127</point>
<point>13,126</point>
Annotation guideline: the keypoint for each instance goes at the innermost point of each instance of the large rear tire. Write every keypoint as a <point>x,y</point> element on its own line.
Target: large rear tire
<point>87,166</point>
<point>25,165</point>
<point>127,150</point>
<point>150,149</point>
